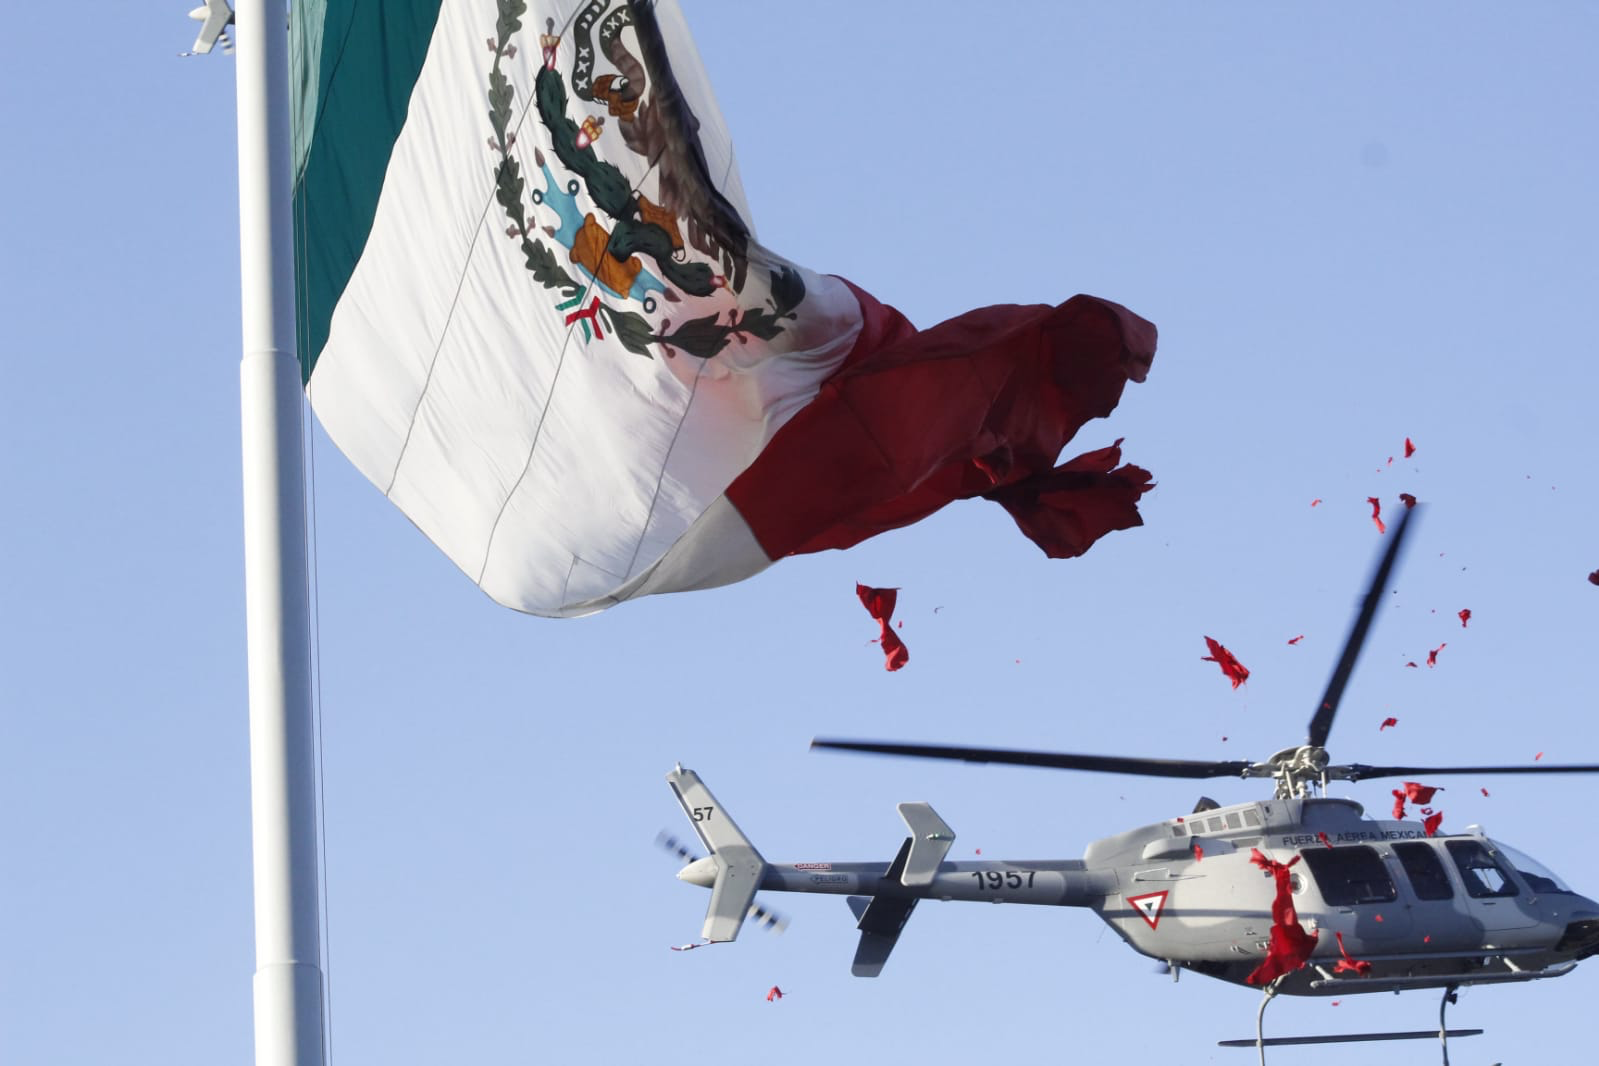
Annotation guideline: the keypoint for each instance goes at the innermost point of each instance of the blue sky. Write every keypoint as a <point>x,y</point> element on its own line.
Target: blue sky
<point>1352,224</point>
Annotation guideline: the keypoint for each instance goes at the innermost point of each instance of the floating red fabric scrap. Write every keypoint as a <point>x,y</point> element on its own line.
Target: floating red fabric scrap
<point>1199,852</point>
<point>775,994</point>
<point>1413,666</point>
<point>1318,500</point>
<point>1297,639</point>
<point>1399,804</point>
<point>1593,578</point>
<point>1418,793</point>
<point>1407,499</point>
<point>1289,945</point>
<point>1376,513</point>
<point>1432,656</point>
<point>1465,616</point>
<point>1431,822</point>
<point>1321,836</point>
<point>1484,792</point>
<point>1235,670</point>
<point>1386,722</point>
<point>1349,964</point>
<point>879,603</point>
<point>1410,449</point>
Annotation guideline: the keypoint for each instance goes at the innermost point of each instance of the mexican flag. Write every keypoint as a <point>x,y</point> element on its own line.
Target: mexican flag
<point>533,311</point>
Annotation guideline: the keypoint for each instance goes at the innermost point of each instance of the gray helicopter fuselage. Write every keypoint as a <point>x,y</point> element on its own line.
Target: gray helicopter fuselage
<point>1424,911</point>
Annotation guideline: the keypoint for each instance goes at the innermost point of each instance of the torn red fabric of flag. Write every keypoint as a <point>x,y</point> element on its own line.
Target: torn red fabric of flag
<point>1321,836</point>
<point>1349,964</point>
<point>1235,670</point>
<point>1432,656</point>
<point>1289,945</point>
<point>1593,578</point>
<point>1386,722</point>
<point>1410,449</point>
<point>1065,510</point>
<point>1318,500</point>
<point>1465,616</point>
<point>879,603</point>
<point>1431,822</point>
<point>1297,639</point>
<point>1418,793</point>
<point>774,995</point>
<point>1376,513</point>
<point>1399,804</point>
<point>1407,499</point>
<point>1484,792</point>
<point>1199,852</point>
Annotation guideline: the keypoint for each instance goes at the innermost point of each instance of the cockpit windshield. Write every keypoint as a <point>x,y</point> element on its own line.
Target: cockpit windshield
<point>1539,877</point>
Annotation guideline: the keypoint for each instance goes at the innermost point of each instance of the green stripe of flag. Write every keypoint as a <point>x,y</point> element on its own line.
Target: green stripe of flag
<point>354,66</point>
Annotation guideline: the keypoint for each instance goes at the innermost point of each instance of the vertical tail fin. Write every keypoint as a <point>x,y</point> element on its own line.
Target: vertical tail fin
<point>739,867</point>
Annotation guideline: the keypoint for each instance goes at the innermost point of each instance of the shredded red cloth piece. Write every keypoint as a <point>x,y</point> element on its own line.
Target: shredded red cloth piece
<point>1386,722</point>
<point>1235,670</point>
<point>1289,945</point>
<point>1318,500</point>
<point>1593,578</point>
<point>1538,756</point>
<point>1321,836</point>
<point>879,603</point>
<point>1399,804</point>
<point>1432,656</point>
<point>1407,499</point>
<point>1199,852</point>
<point>1376,513</point>
<point>1410,449</point>
<point>1297,639</point>
<point>1431,822</point>
<point>1378,917</point>
<point>1484,792</point>
<point>1419,793</point>
<point>775,994</point>
<point>1465,616</point>
<point>1349,964</point>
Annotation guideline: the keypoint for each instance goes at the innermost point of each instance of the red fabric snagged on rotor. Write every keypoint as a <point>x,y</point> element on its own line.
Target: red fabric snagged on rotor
<point>1235,670</point>
<point>879,603</point>
<point>1376,513</point>
<point>1289,945</point>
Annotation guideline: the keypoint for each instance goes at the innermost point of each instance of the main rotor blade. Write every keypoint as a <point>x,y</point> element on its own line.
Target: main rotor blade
<point>1109,764</point>
<point>1361,772</point>
<point>1321,722</point>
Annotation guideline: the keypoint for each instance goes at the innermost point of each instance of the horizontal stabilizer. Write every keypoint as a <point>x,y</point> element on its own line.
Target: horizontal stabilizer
<point>930,842</point>
<point>739,867</point>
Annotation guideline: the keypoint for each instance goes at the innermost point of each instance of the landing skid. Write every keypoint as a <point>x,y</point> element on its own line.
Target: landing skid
<point>1262,1042</point>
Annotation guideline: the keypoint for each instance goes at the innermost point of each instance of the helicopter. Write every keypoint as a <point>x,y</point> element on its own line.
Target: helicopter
<point>1223,891</point>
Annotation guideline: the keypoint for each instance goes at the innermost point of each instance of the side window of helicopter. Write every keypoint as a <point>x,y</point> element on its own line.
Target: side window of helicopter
<point>1348,876</point>
<point>1484,876</point>
<point>1425,870</point>
<point>1538,877</point>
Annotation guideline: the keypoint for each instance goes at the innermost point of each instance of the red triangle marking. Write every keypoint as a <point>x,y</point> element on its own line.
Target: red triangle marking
<point>1149,906</point>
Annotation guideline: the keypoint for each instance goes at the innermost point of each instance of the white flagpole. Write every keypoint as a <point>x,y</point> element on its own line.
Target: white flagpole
<point>288,976</point>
